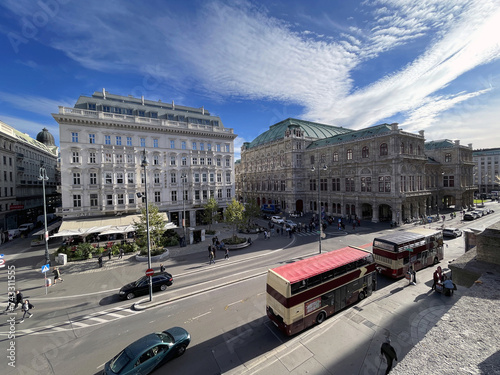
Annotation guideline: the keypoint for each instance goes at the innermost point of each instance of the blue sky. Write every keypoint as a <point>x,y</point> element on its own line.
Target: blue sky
<point>429,65</point>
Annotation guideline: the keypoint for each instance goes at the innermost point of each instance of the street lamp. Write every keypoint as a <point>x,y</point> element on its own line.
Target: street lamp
<point>144,164</point>
<point>183,178</point>
<point>43,177</point>
<point>320,232</point>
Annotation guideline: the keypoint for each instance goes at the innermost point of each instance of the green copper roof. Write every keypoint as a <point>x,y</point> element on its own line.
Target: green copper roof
<point>353,135</point>
<point>439,144</point>
<point>311,130</point>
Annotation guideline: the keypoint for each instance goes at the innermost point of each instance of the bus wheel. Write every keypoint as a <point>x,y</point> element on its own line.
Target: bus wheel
<point>321,317</point>
<point>361,296</point>
<point>436,260</point>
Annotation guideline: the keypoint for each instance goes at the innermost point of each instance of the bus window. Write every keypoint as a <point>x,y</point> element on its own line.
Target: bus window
<point>315,280</point>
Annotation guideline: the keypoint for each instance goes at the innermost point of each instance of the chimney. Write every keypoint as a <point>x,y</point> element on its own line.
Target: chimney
<point>470,145</point>
<point>173,105</point>
<point>104,93</point>
<point>142,99</point>
<point>421,132</point>
<point>457,142</point>
<point>202,110</point>
<point>394,126</point>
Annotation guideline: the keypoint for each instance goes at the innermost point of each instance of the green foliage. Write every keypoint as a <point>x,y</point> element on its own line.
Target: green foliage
<point>210,212</point>
<point>235,214</point>
<point>252,210</point>
<point>234,240</point>
<point>156,227</point>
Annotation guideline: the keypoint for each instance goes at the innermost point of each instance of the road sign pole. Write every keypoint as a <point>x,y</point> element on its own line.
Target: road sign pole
<point>45,281</point>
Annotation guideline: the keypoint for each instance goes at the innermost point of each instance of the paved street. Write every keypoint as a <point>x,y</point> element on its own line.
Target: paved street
<point>223,306</point>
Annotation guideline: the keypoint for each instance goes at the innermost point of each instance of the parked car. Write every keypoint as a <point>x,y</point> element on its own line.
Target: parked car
<point>13,233</point>
<point>28,227</point>
<point>161,280</point>
<point>452,232</point>
<point>291,224</point>
<point>469,216</point>
<point>277,220</point>
<point>296,214</point>
<point>149,352</point>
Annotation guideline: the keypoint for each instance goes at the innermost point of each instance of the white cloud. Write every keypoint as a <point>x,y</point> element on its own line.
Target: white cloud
<point>35,104</point>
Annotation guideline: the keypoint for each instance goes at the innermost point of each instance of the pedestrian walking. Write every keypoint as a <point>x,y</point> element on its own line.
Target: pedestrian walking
<point>389,353</point>
<point>19,299</point>
<point>226,254</point>
<point>121,254</point>
<point>162,268</point>
<point>57,275</point>
<point>437,276</point>
<point>11,298</point>
<point>212,258</point>
<point>412,276</point>
<point>99,261</point>
<point>110,252</point>
<point>27,306</point>
<point>265,234</point>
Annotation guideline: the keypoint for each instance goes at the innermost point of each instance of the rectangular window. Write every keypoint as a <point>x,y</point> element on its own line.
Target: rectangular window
<point>156,178</point>
<point>211,177</point>
<point>174,196</point>
<point>184,161</point>
<point>119,159</point>
<point>76,178</point>
<point>219,178</point>
<point>131,198</point>
<point>219,193</point>
<point>195,161</point>
<point>209,161</point>
<point>217,147</point>
<point>108,157</point>
<point>349,184</point>
<point>172,160</point>
<point>196,177</point>
<point>108,178</point>
<point>155,143</point>
<point>157,197</point>
<point>107,139</point>
<point>228,193</point>
<point>92,157</point>
<point>74,137</point>
<point>156,160</point>
<point>228,177</point>
<point>366,184</point>
<point>119,178</point>
<point>76,157</point>
<point>129,141</point>
<point>141,113</point>
<point>228,162</point>
<point>77,200</point>
<point>202,161</point>
<point>130,159</point>
<point>172,144</point>
<point>203,177</point>
<point>173,178</point>
<point>227,148</point>
<point>202,146</point>
<point>92,138</point>
<point>120,198</point>
<point>218,162</point>
<point>93,178</point>
<point>197,194</point>
<point>183,145</point>
<point>93,200</point>
<point>143,142</point>
<point>118,140</point>
<point>194,145</point>
<point>205,194</point>
<point>109,199</point>
<point>209,148</point>
<point>130,177</point>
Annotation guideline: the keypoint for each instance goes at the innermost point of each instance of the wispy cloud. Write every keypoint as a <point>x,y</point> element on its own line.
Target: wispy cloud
<point>34,104</point>
<point>237,51</point>
<point>31,128</point>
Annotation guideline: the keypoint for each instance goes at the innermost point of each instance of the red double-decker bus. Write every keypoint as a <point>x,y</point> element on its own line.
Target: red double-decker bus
<point>419,247</point>
<point>306,292</point>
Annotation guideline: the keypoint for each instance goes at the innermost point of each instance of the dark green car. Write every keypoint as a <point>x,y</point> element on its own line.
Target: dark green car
<point>148,353</point>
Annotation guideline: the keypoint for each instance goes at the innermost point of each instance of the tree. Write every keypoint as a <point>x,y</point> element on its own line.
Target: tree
<point>156,226</point>
<point>211,209</point>
<point>252,210</point>
<point>235,214</point>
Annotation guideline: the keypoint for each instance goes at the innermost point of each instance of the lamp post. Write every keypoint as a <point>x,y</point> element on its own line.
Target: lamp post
<point>144,165</point>
<point>320,232</point>
<point>183,178</point>
<point>43,177</point>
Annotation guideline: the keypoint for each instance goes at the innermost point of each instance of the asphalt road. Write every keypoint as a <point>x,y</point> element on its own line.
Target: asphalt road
<point>81,324</point>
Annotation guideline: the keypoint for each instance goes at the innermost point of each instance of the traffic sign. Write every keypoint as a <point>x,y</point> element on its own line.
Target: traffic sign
<point>45,268</point>
<point>150,272</point>
<point>409,249</point>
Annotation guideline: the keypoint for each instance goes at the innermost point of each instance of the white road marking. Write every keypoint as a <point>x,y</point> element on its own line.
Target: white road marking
<point>199,316</point>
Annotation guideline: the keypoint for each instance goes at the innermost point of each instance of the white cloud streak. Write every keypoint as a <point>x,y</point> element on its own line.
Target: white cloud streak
<point>235,50</point>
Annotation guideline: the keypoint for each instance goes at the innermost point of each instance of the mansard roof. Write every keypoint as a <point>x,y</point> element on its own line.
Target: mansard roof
<point>353,136</point>
<point>439,144</point>
<point>312,131</point>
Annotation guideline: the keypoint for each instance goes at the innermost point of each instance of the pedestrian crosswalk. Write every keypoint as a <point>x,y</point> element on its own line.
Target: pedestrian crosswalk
<point>80,322</point>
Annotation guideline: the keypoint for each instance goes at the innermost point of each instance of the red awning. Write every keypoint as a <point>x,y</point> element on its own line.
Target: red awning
<point>318,264</point>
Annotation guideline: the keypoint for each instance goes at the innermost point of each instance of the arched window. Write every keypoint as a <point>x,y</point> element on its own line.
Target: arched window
<point>383,149</point>
<point>411,149</point>
<point>402,147</point>
<point>349,154</point>
<point>419,151</point>
<point>335,156</point>
<point>365,152</point>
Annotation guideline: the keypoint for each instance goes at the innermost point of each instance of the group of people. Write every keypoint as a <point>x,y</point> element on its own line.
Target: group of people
<point>212,250</point>
<point>444,281</point>
<point>14,300</point>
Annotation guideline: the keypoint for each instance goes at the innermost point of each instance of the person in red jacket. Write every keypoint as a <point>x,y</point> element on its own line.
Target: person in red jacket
<point>437,277</point>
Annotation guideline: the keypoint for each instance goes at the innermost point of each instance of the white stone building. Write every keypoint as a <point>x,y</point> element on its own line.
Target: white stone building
<point>103,139</point>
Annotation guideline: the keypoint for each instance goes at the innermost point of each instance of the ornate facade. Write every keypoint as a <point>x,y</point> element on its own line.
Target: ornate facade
<point>377,173</point>
<point>103,140</point>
